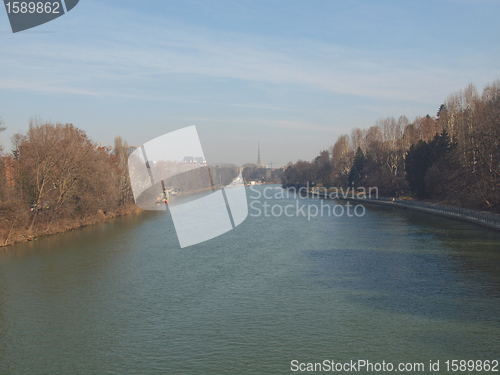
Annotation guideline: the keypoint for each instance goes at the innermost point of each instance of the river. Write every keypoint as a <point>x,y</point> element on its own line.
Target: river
<point>278,291</point>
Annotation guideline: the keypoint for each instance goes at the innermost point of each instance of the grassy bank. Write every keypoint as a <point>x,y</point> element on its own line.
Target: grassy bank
<point>20,229</point>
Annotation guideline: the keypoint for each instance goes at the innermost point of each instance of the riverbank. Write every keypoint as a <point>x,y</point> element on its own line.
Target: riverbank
<point>472,216</point>
<point>10,233</point>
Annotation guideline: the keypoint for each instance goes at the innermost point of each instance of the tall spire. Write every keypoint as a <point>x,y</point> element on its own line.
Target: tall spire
<point>259,160</point>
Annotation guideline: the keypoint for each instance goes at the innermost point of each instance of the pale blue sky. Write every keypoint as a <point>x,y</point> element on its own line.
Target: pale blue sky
<point>292,74</point>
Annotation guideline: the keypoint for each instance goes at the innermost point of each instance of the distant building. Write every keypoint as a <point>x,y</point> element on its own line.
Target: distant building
<point>200,160</point>
<point>194,160</point>
<point>259,163</point>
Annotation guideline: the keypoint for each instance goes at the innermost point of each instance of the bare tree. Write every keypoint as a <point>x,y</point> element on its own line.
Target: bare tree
<point>342,158</point>
<point>121,151</point>
<point>63,173</point>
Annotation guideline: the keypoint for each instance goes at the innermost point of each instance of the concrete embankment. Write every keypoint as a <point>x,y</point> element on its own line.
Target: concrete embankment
<point>473,216</point>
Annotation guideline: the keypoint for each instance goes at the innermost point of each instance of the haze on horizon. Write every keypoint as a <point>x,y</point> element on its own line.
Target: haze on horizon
<point>292,75</point>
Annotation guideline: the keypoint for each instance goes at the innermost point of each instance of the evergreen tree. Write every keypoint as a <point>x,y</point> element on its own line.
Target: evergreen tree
<point>420,158</point>
<point>356,173</point>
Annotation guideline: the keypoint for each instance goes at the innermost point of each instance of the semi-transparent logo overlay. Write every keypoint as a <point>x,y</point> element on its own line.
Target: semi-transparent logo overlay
<point>170,172</point>
<point>24,15</point>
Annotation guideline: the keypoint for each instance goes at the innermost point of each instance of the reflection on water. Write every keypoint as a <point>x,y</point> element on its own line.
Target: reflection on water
<point>122,297</point>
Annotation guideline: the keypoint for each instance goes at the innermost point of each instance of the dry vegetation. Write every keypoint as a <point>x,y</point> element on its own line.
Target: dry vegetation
<point>56,179</point>
<point>453,157</point>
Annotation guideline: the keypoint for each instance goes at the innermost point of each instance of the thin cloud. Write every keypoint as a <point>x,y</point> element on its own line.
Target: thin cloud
<point>299,125</point>
<point>261,106</point>
<point>156,53</point>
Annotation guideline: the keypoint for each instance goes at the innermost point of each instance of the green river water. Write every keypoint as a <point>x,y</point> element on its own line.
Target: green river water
<point>122,297</point>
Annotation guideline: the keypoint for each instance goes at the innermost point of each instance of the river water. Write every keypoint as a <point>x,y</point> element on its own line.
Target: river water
<point>122,297</point>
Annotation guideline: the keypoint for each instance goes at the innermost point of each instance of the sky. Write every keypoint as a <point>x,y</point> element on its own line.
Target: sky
<point>292,75</point>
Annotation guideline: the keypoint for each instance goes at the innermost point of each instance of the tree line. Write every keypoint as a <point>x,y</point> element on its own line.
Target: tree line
<point>56,178</point>
<point>452,157</point>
